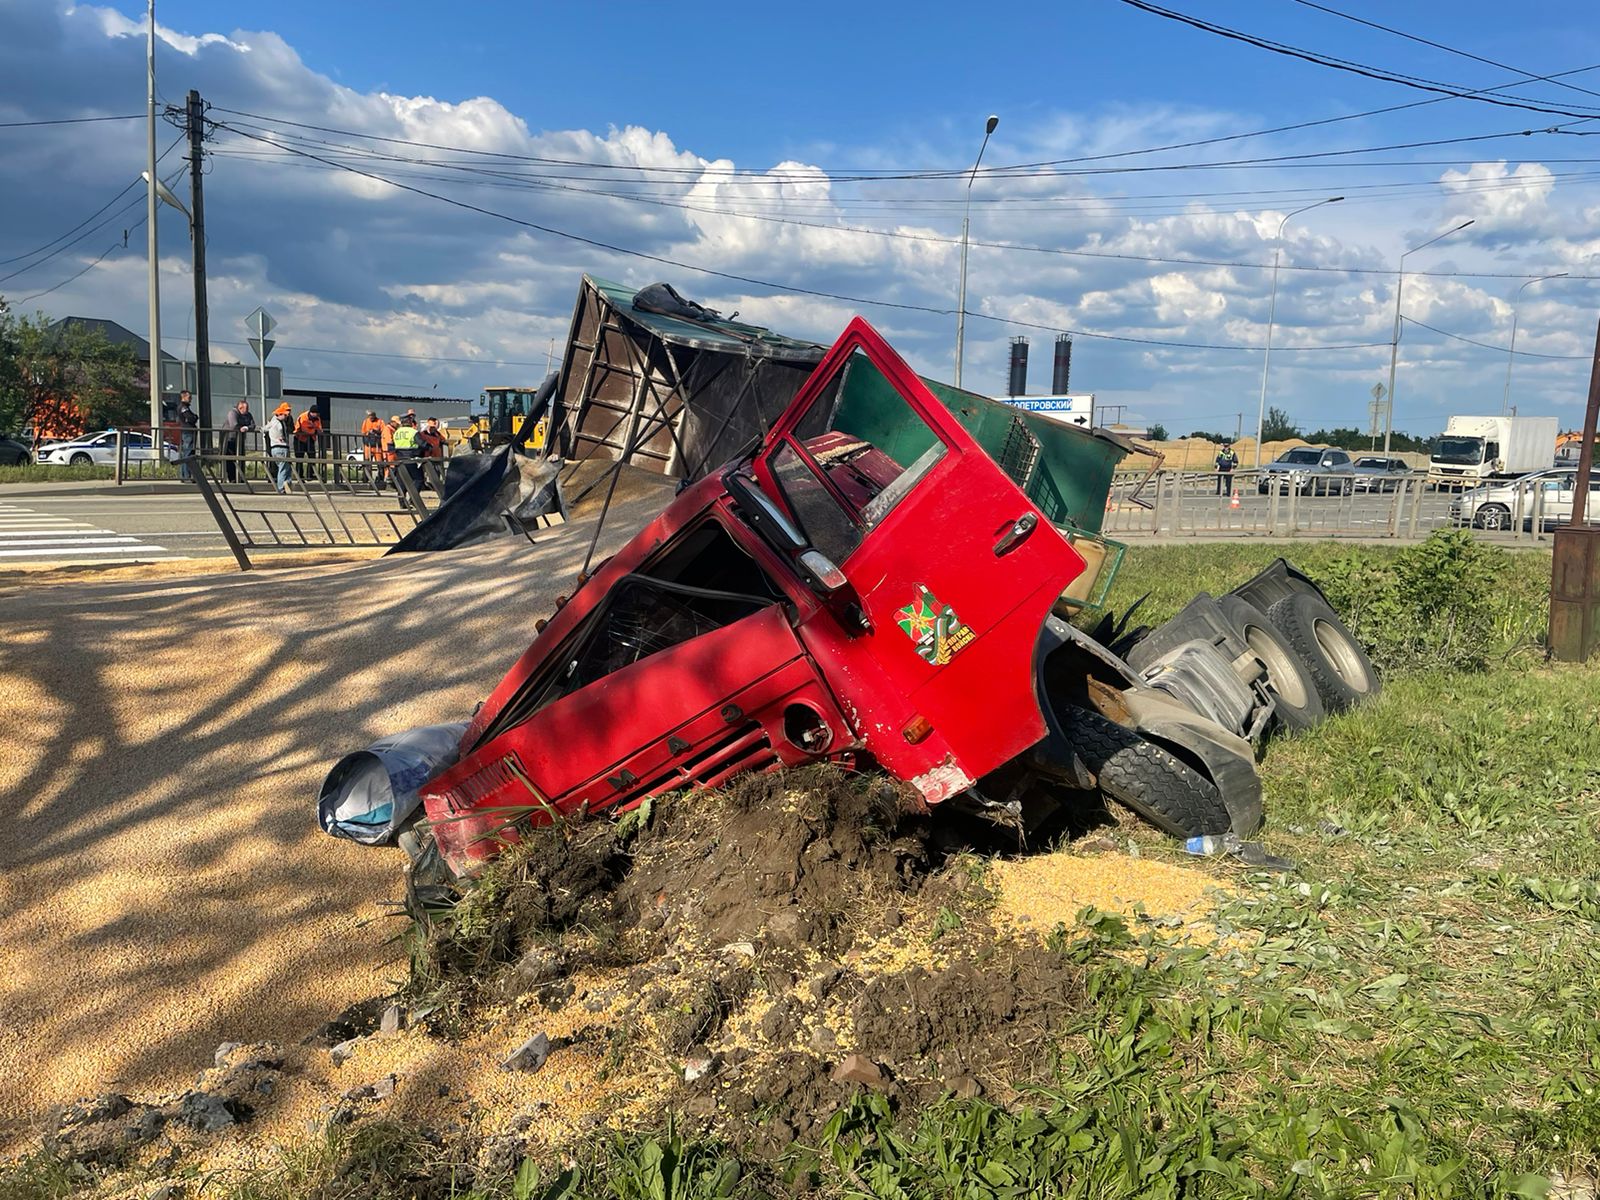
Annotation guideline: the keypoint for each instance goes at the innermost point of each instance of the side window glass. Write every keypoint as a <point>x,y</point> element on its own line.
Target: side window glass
<point>855,454</point>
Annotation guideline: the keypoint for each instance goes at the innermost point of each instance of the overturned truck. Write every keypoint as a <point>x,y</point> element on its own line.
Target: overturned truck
<point>865,584</point>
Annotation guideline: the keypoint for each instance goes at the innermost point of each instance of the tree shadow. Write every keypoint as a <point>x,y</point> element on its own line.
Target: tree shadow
<point>163,883</point>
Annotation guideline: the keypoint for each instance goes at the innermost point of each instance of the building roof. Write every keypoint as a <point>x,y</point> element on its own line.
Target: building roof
<point>117,335</point>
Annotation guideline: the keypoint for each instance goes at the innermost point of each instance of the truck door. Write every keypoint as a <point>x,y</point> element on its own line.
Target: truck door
<point>954,568</point>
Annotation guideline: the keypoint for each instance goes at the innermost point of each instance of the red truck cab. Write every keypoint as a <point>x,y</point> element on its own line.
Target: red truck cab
<point>868,584</point>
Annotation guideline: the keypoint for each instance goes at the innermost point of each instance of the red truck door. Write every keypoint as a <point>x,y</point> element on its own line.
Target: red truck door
<point>954,567</point>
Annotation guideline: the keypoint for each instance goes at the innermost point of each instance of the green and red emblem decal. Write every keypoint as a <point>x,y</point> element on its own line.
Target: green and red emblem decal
<point>934,628</point>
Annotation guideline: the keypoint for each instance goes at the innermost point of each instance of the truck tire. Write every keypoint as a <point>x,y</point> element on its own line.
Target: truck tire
<point>1339,668</point>
<point>1144,777</point>
<point>1299,704</point>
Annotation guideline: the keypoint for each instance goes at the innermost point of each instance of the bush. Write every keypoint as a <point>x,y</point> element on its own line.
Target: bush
<point>1451,601</point>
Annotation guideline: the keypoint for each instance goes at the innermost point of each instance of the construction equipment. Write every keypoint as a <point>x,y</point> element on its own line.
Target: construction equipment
<point>505,411</point>
<point>893,599</point>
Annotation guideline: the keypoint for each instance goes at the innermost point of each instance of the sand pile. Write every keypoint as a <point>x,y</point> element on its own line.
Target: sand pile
<point>163,885</point>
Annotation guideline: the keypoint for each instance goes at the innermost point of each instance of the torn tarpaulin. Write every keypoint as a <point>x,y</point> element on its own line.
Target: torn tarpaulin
<point>487,495</point>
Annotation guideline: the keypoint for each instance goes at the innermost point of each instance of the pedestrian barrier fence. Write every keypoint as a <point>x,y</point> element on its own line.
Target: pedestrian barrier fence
<point>1263,504</point>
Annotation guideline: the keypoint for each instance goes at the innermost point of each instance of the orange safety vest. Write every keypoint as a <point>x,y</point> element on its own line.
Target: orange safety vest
<point>308,427</point>
<point>371,436</point>
<point>388,440</point>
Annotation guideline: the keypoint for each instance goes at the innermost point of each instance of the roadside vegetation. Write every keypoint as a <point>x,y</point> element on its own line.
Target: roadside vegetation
<point>1410,1013</point>
<point>50,473</point>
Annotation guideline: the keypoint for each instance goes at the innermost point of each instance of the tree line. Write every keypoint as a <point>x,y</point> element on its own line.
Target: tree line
<point>1278,427</point>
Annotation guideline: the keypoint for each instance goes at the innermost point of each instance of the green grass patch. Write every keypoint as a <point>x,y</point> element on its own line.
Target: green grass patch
<point>51,473</point>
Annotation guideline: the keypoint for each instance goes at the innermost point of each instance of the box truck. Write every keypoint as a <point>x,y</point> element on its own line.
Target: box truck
<point>1473,449</point>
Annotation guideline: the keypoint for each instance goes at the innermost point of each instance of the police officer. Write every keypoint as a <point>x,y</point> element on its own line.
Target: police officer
<point>1227,463</point>
<point>405,453</point>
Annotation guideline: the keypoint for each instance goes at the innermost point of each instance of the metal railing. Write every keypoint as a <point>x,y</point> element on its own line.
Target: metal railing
<point>1261,504</point>
<point>265,501</point>
<point>337,453</point>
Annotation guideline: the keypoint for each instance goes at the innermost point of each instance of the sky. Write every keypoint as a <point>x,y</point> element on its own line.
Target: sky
<point>413,190</point>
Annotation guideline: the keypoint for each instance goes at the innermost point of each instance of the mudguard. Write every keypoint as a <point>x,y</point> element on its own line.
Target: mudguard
<point>1226,758</point>
<point>1280,578</point>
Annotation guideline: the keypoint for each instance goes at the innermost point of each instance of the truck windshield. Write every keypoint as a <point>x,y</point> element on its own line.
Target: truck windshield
<point>1468,450</point>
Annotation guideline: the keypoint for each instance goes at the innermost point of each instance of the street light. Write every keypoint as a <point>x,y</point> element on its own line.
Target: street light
<point>1394,345</point>
<point>1511,354</point>
<point>1272,312</point>
<point>966,224</point>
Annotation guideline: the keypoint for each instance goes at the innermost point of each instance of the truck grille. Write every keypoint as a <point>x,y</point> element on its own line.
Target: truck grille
<point>737,752</point>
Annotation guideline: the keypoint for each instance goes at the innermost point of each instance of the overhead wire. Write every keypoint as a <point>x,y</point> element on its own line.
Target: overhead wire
<point>792,289</point>
<point>929,238</point>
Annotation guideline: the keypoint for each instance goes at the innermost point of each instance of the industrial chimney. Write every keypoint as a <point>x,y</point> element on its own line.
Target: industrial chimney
<point>1061,377</point>
<point>1019,367</point>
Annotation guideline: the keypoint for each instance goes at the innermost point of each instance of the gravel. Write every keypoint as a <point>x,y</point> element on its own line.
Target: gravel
<point>163,884</point>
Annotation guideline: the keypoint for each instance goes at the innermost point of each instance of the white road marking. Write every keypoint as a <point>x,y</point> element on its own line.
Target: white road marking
<point>26,533</point>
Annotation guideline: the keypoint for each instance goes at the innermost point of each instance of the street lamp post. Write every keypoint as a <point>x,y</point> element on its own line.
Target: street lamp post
<point>1272,312</point>
<point>154,280</point>
<point>966,224</point>
<point>1394,344</point>
<point>1511,354</point>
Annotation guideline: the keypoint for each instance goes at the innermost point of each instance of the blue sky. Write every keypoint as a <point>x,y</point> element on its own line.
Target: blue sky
<point>663,101</point>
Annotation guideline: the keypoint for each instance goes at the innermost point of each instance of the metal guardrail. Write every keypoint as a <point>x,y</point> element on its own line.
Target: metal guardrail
<point>1257,504</point>
<point>325,501</point>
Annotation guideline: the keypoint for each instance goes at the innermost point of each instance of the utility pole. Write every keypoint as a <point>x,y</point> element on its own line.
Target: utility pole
<point>155,258</point>
<point>197,230</point>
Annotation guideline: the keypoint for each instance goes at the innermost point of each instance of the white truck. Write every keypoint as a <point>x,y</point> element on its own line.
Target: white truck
<point>1474,449</point>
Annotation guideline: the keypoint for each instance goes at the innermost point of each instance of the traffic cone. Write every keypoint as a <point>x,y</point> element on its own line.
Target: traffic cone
<point>1233,501</point>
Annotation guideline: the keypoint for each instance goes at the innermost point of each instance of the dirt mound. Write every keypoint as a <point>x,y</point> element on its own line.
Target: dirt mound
<point>745,961</point>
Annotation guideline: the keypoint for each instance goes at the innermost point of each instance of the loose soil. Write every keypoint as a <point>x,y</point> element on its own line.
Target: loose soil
<point>744,961</point>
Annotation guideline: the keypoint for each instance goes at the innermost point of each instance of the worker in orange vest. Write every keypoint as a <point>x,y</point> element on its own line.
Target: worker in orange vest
<point>430,439</point>
<point>372,447</point>
<point>307,436</point>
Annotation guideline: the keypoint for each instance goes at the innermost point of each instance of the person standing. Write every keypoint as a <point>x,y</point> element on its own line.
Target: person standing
<point>1227,463</point>
<point>372,448</point>
<point>280,431</point>
<point>406,446</point>
<point>431,438</point>
<point>307,433</point>
<point>188,425</point>
<point>235,426</point>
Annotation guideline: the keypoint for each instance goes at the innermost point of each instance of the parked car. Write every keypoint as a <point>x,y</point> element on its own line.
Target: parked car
<point>1379,474</point>
<point>100,449</point>
<point>1307,470</point>
<point>14,453</point>
<point>1499,505</point>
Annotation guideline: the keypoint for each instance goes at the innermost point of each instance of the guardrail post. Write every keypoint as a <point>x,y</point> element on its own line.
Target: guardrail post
<point>1155,509</point>
<point>210,497</point>
<point>1416,507</point>
<point>120,469</point>
<point>1398,508</point>
<point>1294,510</point>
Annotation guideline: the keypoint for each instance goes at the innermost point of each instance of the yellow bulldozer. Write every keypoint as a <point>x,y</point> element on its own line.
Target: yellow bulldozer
<point>504,411</point>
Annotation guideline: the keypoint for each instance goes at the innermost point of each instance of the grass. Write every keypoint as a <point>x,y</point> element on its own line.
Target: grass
<point>1411,1014</point>
<point>50,473</point>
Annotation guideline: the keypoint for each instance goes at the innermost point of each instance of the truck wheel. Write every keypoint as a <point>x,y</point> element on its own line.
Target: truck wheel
<point>1145,778</point>
<point>1299,705</point>
<point>1493,516</point>
<point>1339,668</point>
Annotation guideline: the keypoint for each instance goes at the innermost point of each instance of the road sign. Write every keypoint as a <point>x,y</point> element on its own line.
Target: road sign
<point>260,323</point>
<point>262,346</point>
<point>1378,390</point>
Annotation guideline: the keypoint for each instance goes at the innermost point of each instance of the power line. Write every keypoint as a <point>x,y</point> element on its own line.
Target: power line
<point>481,361</point>
<point>1528,76</point>
<point>1497,349</point>
<point>73,230</point>
<point>792,289</point>
<point>68,121</point>
<point>1354,68</point>
<point>296,155</point>
<point>119,244</point>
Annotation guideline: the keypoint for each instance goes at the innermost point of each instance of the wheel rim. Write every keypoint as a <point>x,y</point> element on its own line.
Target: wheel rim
<point>1280,669</point>
<point>1493,518</point>
<point>1341,654</point>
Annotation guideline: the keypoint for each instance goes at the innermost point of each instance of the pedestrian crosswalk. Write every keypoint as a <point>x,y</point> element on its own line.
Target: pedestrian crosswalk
<point>26,535</point>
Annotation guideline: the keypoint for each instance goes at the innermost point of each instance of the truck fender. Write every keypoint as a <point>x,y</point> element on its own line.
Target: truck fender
<point>1227,759</point>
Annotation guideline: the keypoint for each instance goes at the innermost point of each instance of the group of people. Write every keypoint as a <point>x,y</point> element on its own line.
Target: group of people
<point>392,448</point>
<point>388,447</point>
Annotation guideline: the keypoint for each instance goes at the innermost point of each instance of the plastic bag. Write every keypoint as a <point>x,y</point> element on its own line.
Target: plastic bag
<point>369,795</point>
